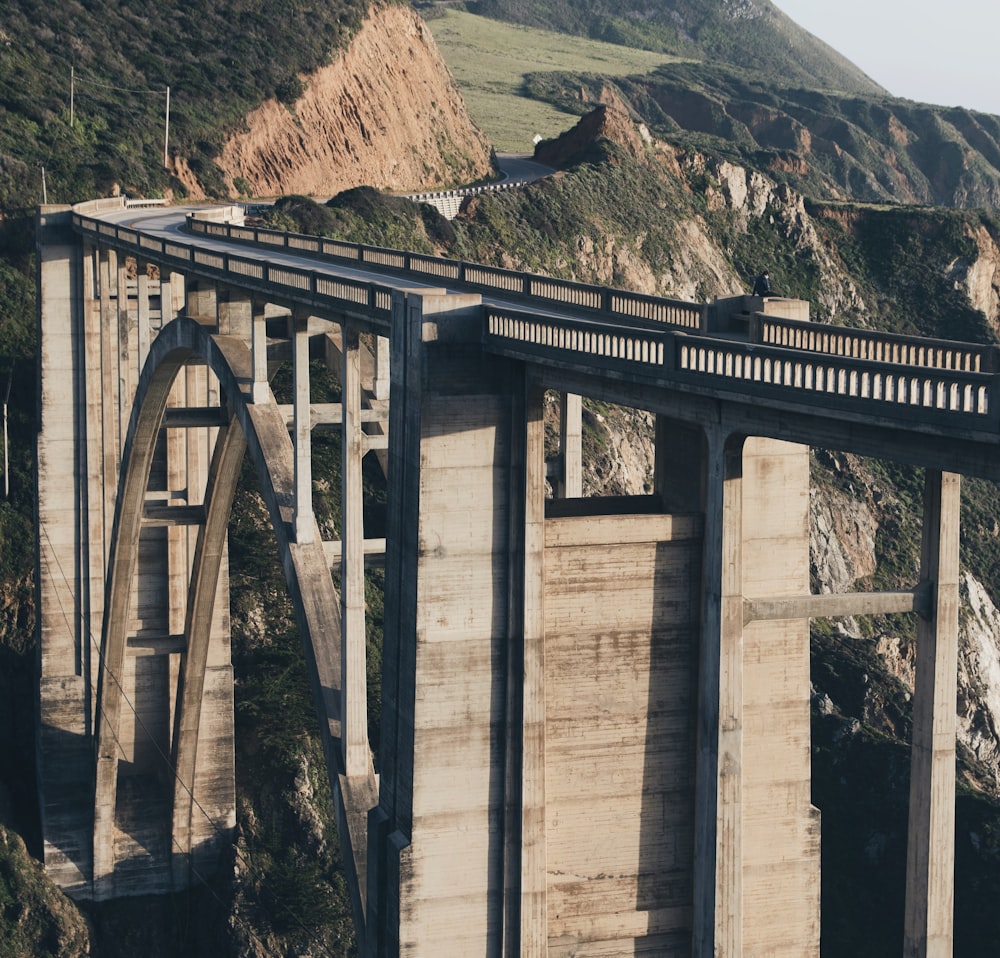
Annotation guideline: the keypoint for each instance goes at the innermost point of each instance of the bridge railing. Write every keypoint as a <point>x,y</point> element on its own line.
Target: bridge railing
<point>606,301</point>
<point>928,393</point>
<point>893,348</point>
<point>302,285</point>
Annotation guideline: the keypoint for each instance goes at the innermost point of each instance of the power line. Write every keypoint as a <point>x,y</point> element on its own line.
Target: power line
<point>102,85</point>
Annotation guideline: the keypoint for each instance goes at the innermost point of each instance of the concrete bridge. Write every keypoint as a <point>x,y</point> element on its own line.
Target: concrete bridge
<point>595,720</point>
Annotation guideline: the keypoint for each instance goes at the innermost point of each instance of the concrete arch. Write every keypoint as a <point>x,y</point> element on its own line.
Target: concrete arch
<point>262,431</point>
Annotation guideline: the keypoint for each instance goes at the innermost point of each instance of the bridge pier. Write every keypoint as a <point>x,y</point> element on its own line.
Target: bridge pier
<point>541,731</point>
<point>930,855</point>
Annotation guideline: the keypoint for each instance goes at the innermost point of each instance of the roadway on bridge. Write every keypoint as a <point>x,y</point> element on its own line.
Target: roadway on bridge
<point>169,224</point>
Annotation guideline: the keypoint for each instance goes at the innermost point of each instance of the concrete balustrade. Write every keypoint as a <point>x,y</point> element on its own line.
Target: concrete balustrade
<point>872,345</point>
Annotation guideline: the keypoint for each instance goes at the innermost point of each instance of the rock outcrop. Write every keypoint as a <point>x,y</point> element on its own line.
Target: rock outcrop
<point>385,113</point>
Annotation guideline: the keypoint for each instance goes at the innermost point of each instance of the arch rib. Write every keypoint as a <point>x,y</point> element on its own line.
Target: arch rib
<point>210,549</point>
<point>265,435</point>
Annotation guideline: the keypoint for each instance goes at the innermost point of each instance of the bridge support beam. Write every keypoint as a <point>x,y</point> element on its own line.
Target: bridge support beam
<point>718,844</point>
<point>755,857</point>
<point>355,697</point>
<point>260,390</point>
<point>570,483</point>
<point>930,861</point>
<point>304,521</point>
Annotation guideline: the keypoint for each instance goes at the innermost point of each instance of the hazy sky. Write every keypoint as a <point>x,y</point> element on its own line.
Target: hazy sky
<point>944,53</point>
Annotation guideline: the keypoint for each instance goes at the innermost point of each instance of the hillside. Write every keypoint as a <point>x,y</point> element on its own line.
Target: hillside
<point>751,35</point>
<point>262,100</point>
<point>833,147</point>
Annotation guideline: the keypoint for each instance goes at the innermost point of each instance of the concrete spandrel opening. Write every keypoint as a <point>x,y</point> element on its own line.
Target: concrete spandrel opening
<point>600,452</point>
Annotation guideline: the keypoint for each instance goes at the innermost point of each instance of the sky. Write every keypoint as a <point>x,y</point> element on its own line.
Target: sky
<point>942,53</point>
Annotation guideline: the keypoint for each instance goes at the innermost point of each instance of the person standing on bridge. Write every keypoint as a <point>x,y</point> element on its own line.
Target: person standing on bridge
<point>762,285</point>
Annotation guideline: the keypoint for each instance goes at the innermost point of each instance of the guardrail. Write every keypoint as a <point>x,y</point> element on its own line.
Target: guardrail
<point>449,202</point>
<point>616,304</point>
<point>916,380</point>
<point>309,287</point>
<point>892,348</point>
<point>882,389</point>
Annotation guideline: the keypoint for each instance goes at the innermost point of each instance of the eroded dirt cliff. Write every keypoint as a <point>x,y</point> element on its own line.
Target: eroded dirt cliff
<point>385,113</point>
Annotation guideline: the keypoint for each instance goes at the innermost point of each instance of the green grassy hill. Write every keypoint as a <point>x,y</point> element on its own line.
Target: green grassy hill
<point>523,81</point>
<point>747,34</point>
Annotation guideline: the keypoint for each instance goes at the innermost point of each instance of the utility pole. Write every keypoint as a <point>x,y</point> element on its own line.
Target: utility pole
<point>45,195</point>
<point>166,133</point>
<point>72,91</point>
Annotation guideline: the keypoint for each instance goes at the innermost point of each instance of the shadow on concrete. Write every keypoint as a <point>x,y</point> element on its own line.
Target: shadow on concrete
<point>666,823</point>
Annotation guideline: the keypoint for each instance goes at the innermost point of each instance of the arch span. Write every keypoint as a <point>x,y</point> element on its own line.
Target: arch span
<point>259,430</point>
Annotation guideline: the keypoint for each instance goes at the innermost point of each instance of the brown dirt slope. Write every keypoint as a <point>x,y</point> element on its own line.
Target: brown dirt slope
<point>385,113</point>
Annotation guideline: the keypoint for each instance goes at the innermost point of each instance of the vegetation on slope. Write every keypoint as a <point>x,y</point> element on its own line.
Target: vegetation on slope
<point>748,34</point>
<point>872,148</point>
<point>83,86</point>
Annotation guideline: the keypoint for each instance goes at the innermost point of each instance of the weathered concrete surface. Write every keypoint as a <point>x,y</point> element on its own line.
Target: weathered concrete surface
<point>438,840</point>
<point>781,864</point>
<point>621,635</point>
<point>96,320</point>
<point>65,612</point>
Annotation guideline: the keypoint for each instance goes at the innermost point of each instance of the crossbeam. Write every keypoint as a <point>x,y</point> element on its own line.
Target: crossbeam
<point>836,604</point>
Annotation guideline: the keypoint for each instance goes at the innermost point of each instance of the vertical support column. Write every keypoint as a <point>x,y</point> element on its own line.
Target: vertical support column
<point>380,379</point>
<point>70,571</point>
<point>718,863</point>
<point>258,345</point>
<point>525,887</point>
<point>171,296</point>
<point>570,485</point>
<point>127,351</point>
<point>142,312</point>
<point>201,302</point>
<point>930,858</point>
<point>92,462</point>
<point>111,446</point>
<point>352,585</point>
<point>304,524</point>
<point>236,314</point>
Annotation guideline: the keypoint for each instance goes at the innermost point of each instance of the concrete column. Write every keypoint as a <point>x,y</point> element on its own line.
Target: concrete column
<point>142,313</point>
<point>258,346</point>
<point>570,485</point>
<point>171,296</point>
<point>380,379</point>
<point>108,373</point>
<point>352,584</point>
<point>436,845</point>
<point>930,860</point>
<point>718,847</point>
<point>65,584</point>
<point>304,523</point>
<point>236,314</point>
<point>127,350</point>
<point>526,913</point>
<point>92,459</point>
<point>201,302</point>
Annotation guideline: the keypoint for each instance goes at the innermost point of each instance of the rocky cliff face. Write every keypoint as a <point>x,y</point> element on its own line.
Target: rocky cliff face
<point>853,508</point>
<point>385,114</point>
